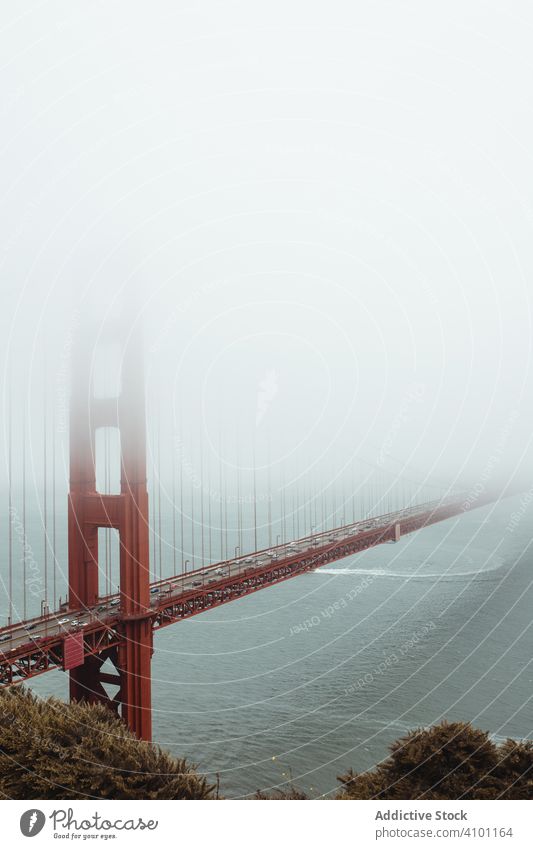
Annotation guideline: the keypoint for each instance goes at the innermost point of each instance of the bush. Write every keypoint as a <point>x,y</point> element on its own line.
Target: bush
<point>447,761</point>
<point>289,794</point>
<point>51,750</point>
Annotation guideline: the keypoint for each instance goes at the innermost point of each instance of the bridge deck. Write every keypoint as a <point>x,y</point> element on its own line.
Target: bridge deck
<point>38,645</point>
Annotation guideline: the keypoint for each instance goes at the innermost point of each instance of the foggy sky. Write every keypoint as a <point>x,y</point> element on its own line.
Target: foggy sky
<point>322,210</point>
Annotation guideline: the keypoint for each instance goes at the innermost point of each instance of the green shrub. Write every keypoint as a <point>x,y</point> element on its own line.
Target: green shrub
<point>447,761</point>
<point>53,750</point>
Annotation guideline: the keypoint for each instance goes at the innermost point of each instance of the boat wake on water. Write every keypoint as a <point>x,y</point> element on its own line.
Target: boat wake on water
<point>419,575</point>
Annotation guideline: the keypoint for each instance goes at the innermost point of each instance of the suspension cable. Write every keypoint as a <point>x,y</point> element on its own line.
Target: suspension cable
<point>45,487</point>
<point>10,497</point>
<point>173,511</point>
<point>209,499</point>
<point>181,498</point>
<point>159,492</point>
<point>54,507</point>
<point>269,488</point>
<point>24,604</point>
<point>154,540</point>
<point>220,501</point>
<point>255,493</point>
<point>192,510</point>
<point>202,563</point>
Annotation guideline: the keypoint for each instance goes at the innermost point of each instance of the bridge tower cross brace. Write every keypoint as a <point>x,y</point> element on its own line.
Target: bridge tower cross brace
<point>89,510</point>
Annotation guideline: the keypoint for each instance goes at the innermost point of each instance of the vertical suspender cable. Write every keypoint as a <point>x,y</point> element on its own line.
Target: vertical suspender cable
<point>159,491</point>
<point>334,497</point>
<point>309,506</point>
<point>269,487</point>
<point>154,540</point>
<point>342,517</point>
<point>221,505</point>
<point>54,522</point>
<point>182,541</point>
<point>173,509</point>
<point>255,494</point>
<point>283,508</point>
<point>239,515</point>
<point>304,502</point>
<point>192,513</point>
<point>24,605</point>
<point>10,497</point>
<point>107,531</point>
<point>110,531</point>
<point>202,563</point>
<point>45,493</point>
<point>209,498</point>
<point>293,511</point>
<point>315,496</point>
<point>353,490</point>
<point>307,495</point>
<point>225,517</point>
<point>297,510</point>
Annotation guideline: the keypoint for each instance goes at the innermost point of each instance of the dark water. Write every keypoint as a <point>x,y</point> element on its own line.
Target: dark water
<point>321,673</point>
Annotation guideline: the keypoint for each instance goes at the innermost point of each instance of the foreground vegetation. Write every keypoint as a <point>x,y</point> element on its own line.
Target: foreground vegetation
<point>50,750</point>
<point>452,760</point>
<point>447,761</point>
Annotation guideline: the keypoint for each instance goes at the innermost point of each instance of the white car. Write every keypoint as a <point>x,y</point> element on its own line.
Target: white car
<point>63,621</point>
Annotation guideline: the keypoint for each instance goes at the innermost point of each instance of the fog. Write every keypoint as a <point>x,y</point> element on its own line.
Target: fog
<point>320,214</point>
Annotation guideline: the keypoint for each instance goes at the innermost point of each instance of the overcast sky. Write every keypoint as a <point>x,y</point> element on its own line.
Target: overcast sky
<point>324,208</point>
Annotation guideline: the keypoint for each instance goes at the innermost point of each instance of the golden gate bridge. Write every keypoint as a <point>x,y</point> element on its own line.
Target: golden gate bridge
<point>91,627</point>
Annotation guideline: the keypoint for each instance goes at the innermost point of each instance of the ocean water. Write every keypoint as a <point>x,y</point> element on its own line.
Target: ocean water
<point>301,681</point>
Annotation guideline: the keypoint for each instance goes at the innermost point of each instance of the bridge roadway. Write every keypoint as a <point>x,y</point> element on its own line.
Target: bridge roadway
<point>36,646</point>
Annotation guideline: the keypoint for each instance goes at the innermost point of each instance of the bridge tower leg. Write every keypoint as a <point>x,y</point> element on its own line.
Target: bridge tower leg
<point>89,510</point>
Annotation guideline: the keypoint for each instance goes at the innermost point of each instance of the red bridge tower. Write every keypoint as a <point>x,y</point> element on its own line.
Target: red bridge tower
<point>89,510</point>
